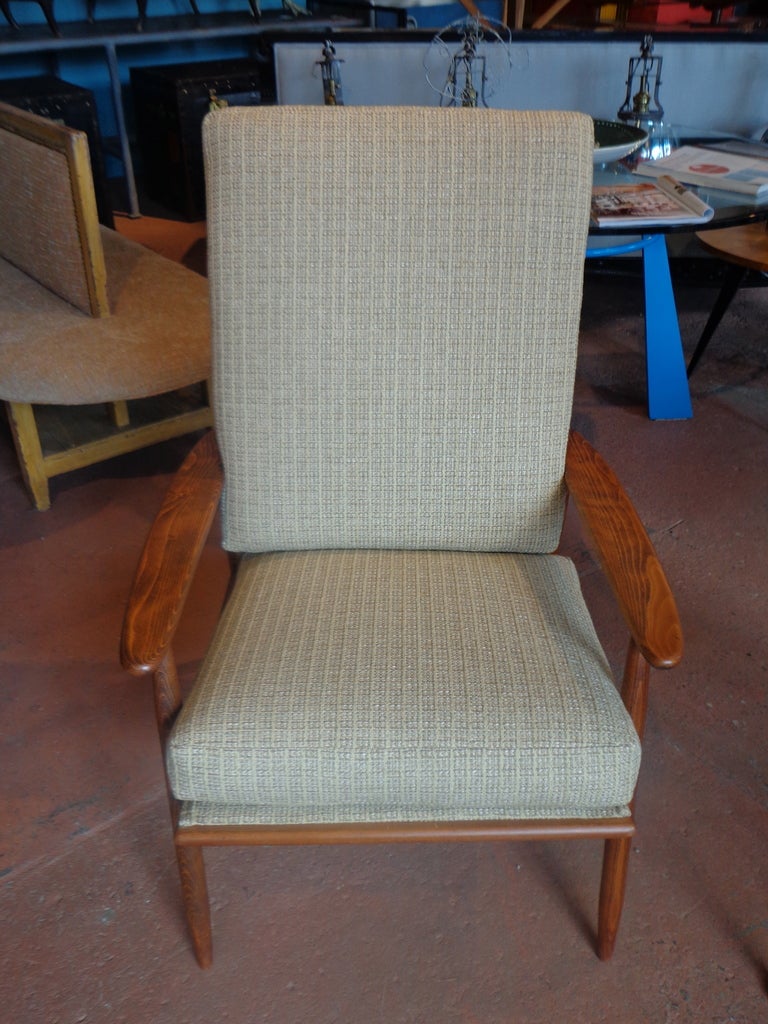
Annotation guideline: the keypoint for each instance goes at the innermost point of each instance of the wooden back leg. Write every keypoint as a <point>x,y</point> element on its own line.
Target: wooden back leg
<point>26,438</point>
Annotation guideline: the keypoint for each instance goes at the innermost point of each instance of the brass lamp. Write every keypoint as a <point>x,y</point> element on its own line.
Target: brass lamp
<point>642,106</point>
<point>330,69</point>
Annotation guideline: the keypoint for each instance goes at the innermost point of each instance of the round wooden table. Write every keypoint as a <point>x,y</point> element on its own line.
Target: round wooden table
<point>745,248</point>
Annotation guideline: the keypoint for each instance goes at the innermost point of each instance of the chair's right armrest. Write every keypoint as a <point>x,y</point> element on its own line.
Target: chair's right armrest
<point>169,559</point>
<point>625,552</point>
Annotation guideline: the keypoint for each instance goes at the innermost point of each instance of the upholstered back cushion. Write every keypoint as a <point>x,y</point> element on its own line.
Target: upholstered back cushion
<point>395,303</point>
<point>43,186</point>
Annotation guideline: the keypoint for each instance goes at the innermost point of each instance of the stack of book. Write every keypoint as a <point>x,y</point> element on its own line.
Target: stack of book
<point>658,203</point>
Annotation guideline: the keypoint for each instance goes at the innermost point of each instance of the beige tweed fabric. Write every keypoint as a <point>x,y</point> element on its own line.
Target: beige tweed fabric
<point>156,339</point>
<point>38,226</point>
<point>395,303</point>
<point>389,685</point>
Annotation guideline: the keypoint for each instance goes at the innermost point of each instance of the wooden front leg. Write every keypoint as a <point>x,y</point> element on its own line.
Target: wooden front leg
<point>194,890</point>
<point>30,453</point>
<point>613,885</point>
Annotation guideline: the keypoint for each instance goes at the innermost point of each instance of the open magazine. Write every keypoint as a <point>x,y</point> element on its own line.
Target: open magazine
<point>730,166</point>
<point>646,204</point>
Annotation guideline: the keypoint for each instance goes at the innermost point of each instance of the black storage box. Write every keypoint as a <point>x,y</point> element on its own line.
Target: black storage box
<point>71,105</point>
<point>170,103</point>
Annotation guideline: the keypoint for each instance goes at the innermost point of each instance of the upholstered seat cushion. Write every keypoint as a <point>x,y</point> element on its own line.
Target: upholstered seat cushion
<point>388,685</point>
<point>156,338</point>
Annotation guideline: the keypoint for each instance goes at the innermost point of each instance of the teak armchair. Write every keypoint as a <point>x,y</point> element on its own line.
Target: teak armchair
<point>87,317</point>
<point>401,657</point>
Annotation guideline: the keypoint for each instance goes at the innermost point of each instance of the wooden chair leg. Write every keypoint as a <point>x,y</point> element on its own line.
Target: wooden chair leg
<point>195,892</point>
<point>634,693</point>
<point>612,886</point>
<point>119,414</point>
<point>30,453</point>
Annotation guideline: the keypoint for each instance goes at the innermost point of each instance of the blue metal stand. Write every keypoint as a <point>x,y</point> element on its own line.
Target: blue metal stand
<point>669,397</point>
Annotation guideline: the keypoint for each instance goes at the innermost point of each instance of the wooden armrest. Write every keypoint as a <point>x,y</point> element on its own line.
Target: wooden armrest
<point>169,559</point>
<point>627,556</point>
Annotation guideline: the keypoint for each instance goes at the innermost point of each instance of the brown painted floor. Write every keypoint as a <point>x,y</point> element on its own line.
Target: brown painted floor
<point>91,923</point>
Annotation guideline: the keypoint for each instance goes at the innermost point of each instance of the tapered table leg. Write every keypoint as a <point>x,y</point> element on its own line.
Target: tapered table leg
<point>668,394</point>
<point>733,278</point>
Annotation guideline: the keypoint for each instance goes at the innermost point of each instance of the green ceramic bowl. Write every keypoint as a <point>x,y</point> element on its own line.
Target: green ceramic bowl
<point>615,140</point>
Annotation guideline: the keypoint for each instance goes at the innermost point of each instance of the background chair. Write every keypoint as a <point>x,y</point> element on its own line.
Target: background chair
<point>86,316</point>
<point>401,657</point>
<point>744,248</point>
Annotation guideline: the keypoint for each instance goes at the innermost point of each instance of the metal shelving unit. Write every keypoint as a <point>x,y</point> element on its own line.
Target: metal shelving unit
<point>111,36</point>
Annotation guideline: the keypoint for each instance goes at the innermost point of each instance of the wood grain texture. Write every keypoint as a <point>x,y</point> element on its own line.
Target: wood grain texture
<point>168,700</point>
<point>613,885</point>
<point>403,832</point>
<point>170,556</point>
<point>73,145</point>
<point>21,418</point>
<point>746,245</point>
<point>634,687</point>
<point>194,889</point>
<point>626,554</point>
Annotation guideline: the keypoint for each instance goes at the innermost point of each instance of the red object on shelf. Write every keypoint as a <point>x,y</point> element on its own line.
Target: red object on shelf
<point>661,13</point>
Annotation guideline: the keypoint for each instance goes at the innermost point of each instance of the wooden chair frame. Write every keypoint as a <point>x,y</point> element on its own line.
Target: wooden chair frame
<point>165,572</point>
<point>37,466</point>
<point>73,145</point>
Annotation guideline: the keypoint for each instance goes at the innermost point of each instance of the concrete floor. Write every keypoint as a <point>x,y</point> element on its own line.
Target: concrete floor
<point>92,926</point>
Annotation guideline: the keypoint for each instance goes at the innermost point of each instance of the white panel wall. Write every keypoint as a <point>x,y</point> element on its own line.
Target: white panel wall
<point>721,85</point>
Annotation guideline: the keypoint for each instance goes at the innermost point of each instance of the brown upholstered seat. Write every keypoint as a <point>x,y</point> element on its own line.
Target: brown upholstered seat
<point>86,316</point>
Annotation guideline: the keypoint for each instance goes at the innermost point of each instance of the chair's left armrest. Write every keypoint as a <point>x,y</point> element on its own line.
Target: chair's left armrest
<point>626,554</point>
<point>169,559</point>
